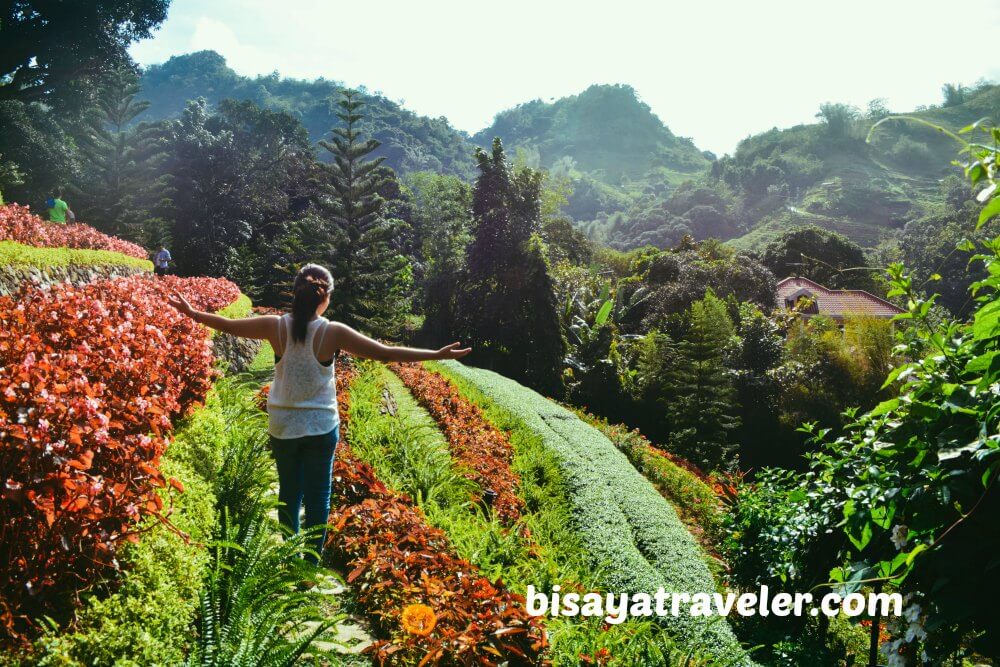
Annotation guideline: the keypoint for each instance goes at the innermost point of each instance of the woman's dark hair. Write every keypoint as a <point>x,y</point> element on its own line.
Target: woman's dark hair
<point>312,284</point>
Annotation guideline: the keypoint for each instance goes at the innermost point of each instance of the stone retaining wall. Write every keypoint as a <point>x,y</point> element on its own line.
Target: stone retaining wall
<point>13,276</point>
<point>238,353</point>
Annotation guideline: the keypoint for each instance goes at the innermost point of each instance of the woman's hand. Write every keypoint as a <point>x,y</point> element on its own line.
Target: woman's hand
<point>452,352</point>
<point>180,303</point>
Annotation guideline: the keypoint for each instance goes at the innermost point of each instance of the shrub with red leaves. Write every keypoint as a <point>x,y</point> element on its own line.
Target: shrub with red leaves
<point>210,294</point>
<point>474,442</point>
<point>397,559</point>
<point>90,378</point>
<point>19,224</point>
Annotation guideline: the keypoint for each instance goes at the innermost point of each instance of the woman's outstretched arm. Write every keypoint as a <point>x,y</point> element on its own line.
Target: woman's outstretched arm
<point>263,327</point>
<point>343,337</point>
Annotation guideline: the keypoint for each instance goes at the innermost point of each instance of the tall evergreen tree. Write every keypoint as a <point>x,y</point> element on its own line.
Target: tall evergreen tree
<point>120,186</point>
<point>509,310</point>
<point>371,277</point>
<point>701,409</point>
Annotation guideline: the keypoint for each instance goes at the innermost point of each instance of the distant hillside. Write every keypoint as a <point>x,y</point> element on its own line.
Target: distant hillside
<point>409,142</point>
<point>606,130</point>
<point>609,142</point>
<point>815,174</point>
<point>821,174</point>
<point>633,181</point>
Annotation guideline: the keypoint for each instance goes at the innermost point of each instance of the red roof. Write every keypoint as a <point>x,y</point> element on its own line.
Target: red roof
<point>834,303</point>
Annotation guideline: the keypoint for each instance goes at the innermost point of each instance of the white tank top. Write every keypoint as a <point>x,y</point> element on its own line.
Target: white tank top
<point>303,396</point>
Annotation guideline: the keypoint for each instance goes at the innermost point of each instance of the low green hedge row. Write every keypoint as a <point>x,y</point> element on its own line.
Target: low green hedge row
<point>18,254</point>
<point>632,534</point>
<point>694,499</point>
<point>242,307</point>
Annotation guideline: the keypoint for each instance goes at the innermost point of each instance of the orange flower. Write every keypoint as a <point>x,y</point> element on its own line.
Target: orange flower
<point>419,619</point>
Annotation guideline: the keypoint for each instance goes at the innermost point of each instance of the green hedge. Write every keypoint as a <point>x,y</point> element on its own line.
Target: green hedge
<point>633,535</point>
<point>17,254</point>
<point>695,501</point>
<point>240,308</point>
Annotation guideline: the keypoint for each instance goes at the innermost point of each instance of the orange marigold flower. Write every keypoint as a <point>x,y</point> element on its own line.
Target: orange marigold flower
<point>419,619</point>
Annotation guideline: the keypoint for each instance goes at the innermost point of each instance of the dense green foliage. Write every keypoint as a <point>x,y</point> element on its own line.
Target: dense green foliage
<point>828,258</point>
<point>907,491</point>
<point>232,176</point>
<point>442,229</point>
<point>408,142</point>
<point>51,47</point>
<point>507,309</point>
<point>607,493</point>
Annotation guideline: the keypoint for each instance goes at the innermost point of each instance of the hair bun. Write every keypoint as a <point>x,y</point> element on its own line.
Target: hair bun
<point>319,287</point>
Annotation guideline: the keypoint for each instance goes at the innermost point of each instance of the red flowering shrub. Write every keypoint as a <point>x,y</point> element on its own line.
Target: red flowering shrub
<point>473,441</point>
<point>90,378</point>
<point>19,224</point>
<point>211,294</point>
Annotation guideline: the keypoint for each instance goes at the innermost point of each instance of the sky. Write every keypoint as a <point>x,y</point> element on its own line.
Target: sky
<point>713,70</point>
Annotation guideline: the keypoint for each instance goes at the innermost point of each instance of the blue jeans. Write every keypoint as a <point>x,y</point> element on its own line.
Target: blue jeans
<point>305,476</point>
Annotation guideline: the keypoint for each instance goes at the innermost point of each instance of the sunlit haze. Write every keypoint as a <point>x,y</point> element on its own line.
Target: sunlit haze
<point>715,72</point>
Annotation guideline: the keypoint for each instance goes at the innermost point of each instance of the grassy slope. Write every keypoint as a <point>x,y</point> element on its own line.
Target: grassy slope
<point>633,536</point>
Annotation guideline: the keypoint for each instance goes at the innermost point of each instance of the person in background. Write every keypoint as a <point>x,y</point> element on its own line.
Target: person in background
<point>161,261</point>
<point>58,209</point>
<point>303,420</point>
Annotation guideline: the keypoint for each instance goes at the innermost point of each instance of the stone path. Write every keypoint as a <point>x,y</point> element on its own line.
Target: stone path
<point>349,636</point>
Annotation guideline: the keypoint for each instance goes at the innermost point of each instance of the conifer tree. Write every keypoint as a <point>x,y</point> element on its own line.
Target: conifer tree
<point>701,408</point>
<point>371,276</point>
<point>509,308</point>
<point>120,185</point>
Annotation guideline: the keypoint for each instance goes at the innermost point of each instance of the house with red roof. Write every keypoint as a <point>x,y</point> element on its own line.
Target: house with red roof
<point>814,299</point>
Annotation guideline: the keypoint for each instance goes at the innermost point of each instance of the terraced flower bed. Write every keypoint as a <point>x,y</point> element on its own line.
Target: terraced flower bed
<point>402,567</point>
<point>91,378</point>
<point>474,442</point>
<point>19,224</point>
<point>632,535</point>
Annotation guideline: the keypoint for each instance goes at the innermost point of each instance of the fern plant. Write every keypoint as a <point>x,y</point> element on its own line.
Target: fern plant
<point>253,613</point>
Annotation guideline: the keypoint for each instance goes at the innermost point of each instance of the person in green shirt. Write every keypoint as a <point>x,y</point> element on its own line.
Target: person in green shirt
<point>57,208</point>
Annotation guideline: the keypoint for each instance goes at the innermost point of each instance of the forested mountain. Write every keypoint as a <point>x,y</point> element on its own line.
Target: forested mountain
<point>606,141</point>
<point>409,142</point>
<point>823,174</point>
<point>627,179</point>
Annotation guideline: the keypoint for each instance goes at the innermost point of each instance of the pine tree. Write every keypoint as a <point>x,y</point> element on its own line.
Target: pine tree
<point>371,276</point>
<point>120,186</point>
<point>700,389</point>
<point>509,310</point>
